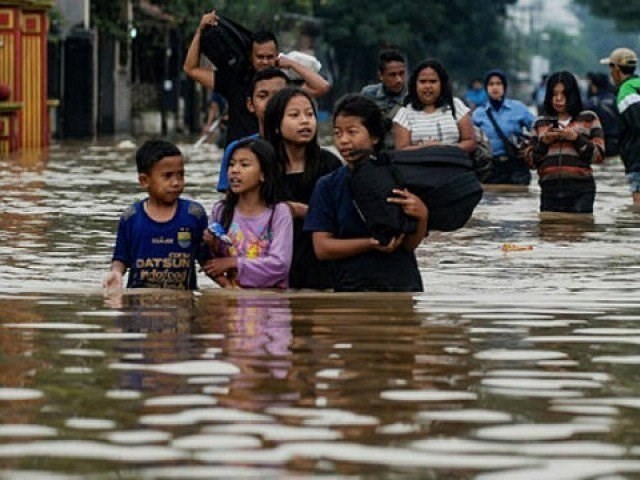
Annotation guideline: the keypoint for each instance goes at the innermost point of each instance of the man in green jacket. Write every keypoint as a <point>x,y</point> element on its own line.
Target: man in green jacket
<point>622,65</point>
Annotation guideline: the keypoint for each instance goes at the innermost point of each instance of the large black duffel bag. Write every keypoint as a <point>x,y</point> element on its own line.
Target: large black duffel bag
<point>443,177</point>
<point>227,44</point>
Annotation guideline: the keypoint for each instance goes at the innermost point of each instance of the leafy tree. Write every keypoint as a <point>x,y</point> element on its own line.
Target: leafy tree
<point>625,13</point>
<point>107,17</point>
<point>567,52</point>
<point>601,34</point>
<point>468,36</point>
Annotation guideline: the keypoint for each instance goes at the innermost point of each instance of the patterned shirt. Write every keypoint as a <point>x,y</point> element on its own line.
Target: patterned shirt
<point>262,243</point>
<point>563,159</point>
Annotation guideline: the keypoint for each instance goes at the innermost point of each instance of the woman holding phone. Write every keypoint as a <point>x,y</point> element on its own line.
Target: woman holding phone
<point>564,144</point>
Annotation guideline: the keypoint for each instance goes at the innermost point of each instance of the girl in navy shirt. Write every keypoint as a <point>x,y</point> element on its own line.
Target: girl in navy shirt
<point>339,234</point>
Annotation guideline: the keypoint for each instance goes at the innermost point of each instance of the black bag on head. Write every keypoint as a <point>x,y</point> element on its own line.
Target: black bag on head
<point>443,177</point>
<point>371,182</point>
<point>227,45</point>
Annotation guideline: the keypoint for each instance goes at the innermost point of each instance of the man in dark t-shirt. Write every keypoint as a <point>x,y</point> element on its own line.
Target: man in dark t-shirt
<point>234,85</point>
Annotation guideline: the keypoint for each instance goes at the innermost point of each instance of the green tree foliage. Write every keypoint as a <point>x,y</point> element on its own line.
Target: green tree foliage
<point>108,17</point>
<point>467,35</point>
<point>568,52</point>
<point>600,36</point>
<point>625,13</point>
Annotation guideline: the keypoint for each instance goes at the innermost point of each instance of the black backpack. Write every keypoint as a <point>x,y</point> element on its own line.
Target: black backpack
<point>443,177</point>
<point>371,182</point>
<point>227,45</point>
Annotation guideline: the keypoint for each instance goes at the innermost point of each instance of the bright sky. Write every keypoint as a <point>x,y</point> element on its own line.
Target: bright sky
<point>553,12</point>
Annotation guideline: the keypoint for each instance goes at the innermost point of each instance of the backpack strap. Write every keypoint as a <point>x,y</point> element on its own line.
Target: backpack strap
<point>510,147</point>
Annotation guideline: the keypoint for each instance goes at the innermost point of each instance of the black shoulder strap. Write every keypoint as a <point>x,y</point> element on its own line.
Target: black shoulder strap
<point>503,137</point>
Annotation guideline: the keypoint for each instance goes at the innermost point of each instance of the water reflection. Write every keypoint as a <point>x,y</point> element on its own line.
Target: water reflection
<point>515,363</point>
<point>567,227</point>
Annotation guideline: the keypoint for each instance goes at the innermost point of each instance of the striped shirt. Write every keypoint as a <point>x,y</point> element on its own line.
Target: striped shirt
<point>439,125</point>
<point>564,159</point>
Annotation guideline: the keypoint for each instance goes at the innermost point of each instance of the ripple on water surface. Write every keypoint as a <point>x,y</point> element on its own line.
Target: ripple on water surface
<point>514,365</point>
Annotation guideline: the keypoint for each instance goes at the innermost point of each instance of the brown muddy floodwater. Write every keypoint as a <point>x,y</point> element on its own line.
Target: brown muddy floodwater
<point>520,364</point>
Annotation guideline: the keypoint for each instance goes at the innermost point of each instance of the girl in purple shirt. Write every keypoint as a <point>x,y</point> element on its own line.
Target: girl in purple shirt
<point>252,242</point>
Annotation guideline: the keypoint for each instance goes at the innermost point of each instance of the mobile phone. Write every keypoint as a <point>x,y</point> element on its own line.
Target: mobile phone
<point>555,124</point>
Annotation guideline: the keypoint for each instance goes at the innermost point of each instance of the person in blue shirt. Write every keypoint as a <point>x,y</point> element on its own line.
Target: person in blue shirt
<point>264,85</point>
<point>159,238</point>
<point>476,95</point>
<point>505,121</point>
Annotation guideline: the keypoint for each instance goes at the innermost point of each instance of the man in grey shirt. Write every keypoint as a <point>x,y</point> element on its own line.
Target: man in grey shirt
<point>390,93</point>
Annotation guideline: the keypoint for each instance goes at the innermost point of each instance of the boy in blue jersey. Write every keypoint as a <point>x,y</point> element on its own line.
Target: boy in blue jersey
<point>159,238</point>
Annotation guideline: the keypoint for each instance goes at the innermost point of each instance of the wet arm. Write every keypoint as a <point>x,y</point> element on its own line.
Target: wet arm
<point>467,136</point>
<point>314,84</point>
<point>327,247</point>
<point>411,242</point>
<point>113,279</point>
<point>192,68</point>
<point>401,137</point>
<point>414,207</point>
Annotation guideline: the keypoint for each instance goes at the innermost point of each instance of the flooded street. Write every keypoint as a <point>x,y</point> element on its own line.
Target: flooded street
<point>519,361</point>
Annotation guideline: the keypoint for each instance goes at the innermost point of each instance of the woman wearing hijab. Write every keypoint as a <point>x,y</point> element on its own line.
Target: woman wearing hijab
<point>504,120</point>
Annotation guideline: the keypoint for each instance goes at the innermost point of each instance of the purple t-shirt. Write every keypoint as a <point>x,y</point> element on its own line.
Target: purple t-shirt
<point>262,243</point>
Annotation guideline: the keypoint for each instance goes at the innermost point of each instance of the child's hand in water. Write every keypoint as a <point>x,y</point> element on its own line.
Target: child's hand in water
<point>112,280</point>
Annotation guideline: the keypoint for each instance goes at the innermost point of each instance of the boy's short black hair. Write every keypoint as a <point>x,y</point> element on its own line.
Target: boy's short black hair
<point>388,56</point>
<point>266,74</point>
<point>152,151</point>
<point>264,36</point>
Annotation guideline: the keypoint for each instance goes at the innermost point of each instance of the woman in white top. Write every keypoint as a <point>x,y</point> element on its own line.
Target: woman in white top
<point>433,116</point>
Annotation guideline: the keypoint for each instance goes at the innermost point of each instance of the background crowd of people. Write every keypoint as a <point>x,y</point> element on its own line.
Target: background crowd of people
<point>288,218</point>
